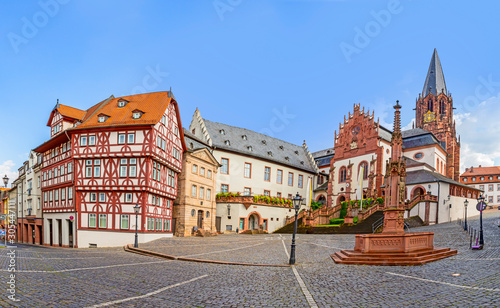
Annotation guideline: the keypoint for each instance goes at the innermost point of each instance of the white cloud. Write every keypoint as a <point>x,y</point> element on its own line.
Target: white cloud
<point>479,131</point>
<point>409,125</point>
<point>7,168</point>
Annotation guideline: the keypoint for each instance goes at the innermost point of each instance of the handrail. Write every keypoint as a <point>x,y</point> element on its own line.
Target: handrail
<point>377,224</point>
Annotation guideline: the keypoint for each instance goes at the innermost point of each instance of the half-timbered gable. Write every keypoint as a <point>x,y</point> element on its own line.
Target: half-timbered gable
<point>116,163</point>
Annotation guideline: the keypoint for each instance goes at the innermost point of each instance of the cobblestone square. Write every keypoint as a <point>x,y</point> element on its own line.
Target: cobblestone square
<point>56,277</point>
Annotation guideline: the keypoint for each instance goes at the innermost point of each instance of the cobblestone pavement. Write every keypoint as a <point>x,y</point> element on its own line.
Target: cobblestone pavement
<point>53,277</point>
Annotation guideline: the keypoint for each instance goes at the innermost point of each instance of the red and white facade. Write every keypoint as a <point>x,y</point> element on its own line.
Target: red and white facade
<point>101,162</point>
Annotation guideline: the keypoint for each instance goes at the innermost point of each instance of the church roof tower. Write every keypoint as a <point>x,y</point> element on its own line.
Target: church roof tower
<point>434,82</point>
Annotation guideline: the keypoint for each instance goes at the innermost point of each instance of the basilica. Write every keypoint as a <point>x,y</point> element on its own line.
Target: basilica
<point>431,150</point>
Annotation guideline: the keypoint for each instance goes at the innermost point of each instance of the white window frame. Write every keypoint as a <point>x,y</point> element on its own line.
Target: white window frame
<point>92,217</point>
<point>105,221</point>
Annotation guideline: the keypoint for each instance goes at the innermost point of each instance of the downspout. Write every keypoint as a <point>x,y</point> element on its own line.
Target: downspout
<point>437,207</point>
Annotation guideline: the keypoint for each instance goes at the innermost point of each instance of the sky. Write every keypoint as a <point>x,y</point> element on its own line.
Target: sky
<point>288,68</point>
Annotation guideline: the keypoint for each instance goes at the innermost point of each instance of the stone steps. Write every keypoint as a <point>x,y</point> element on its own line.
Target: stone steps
<point>392,258</point>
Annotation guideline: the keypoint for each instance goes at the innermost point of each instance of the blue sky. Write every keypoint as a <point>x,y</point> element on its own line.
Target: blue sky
<point>288,68</point>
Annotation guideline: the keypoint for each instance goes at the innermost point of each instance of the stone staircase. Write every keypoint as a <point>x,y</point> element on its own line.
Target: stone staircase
<point>387,258</point>
<point>363,227</point>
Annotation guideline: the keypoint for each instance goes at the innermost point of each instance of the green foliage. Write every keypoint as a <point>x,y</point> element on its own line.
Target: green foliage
<point>380,200</point>
<point>352,202</point>
<point>315,205</point>
<point>355,220</point>
<point>343,209</point>
<point>336,221</point>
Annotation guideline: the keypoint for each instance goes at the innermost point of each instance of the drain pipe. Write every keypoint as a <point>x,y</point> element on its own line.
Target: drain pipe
<point>437,207</point>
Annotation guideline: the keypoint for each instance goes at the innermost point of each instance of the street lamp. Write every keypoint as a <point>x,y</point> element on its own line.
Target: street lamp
<point>466,202</point>
<point>480,207</point>
<point>296,204</point>
<point>5,180</point>
<point>137,209</point>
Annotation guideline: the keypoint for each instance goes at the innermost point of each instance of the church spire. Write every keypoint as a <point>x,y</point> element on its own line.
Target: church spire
<point>434,82</point>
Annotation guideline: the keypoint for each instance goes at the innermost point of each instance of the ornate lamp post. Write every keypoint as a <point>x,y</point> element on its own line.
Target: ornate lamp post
<point>480,207</point>
<point>466,202</point>
<point>5,180</point>
<point>296,204</point>
<point>137,209</point>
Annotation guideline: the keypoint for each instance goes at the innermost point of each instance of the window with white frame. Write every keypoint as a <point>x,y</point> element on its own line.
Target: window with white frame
<point>158,224</point>
<point>63,193</point>
<point>202,171</point>
<point>247,191</point>
<point>102,197</point>
<point>156,171</point>
<point>83,141</point>
<point>121,138</point>
<point>70,192</point>
<point>224,188</point>
<point>92,220</point>
<point>45,197</point>
<point>93,197</point>
<point>168,204</point>
<point>128,198</point>
<point>224,169</point>
<point>124,224</point>
<point>103,220</point>
<point>70,167</point>
<point>171,178</point>
<point>131,138</point>
<point>132,167</point>
<point>123,167</point>
<point>92,140</point>
<point>193,191</point>
<point>290,179</point>
<point>168,224</point>
<point>56,195</point>
<point>248,170</point>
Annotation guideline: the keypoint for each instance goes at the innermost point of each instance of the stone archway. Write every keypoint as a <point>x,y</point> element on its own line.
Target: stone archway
<point>321,199</point>
<point>418,190</point>
<point>253,221</point>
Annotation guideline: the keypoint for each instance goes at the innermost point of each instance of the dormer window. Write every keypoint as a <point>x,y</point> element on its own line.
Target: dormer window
<point>122,103</point>
<point>249,148</point>
<point>296,152</point>
<point>101,119</point>
<point>227,142</point>
<point>281,147</point>
<point>270,153</point>
<point>264,142</point>
<point>222,132</point>
<point>137,114</point>
<point>287,158</point>
<point>302,162</point>
<point>244,137</point>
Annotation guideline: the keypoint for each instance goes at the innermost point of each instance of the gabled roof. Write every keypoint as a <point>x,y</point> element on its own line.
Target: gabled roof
<point>323,153</point>
<point>70,112</point>
<point>240,139</point>
<point>191,139</point>
<point>385,133</point>
<point>435,77</point>
<point>425,176</point>
<point>481,171</point>
<point>322,187</point>
<point>152,105</point>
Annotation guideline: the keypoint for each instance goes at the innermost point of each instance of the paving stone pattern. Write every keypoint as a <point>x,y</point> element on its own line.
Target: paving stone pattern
<point>56,277</point>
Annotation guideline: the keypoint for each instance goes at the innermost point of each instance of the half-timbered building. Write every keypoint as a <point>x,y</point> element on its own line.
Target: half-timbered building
<point>101,162</point>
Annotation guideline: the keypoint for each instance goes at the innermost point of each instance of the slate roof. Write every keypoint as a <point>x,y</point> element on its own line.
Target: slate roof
<point>385,133</point>
<point>323,186</point>
<point>425,176</point>
<point>435,77</point>
<point>248,142</point>
<point>190,138</point>
<point>414,163</point>
<point>322,153</point>
<point>413,132</point>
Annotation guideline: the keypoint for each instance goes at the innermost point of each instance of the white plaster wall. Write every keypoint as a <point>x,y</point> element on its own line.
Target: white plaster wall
<point>115,239</point>
<point>431,154</point>
<point>237,182</point>
<point>64,217</point>
<point>279,215</point>
<point>354,177</point>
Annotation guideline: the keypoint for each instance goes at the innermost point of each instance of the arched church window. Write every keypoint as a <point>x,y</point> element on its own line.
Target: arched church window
<point>364,165</point>
<point>442,107</point>
<point>343,174</point>
<point>430,106</point>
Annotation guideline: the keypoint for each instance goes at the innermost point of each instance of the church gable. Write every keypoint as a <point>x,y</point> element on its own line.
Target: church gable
<point>358,134</point>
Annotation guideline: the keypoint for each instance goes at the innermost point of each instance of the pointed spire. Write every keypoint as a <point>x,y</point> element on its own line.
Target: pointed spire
<point>171,94</point>
<point>435,77</point>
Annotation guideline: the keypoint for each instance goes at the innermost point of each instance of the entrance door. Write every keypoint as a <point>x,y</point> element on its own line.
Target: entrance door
<point>200,219</point>
<point>217,223</point>
<point>70,233</point>
<point>251,223</point>
<point>51,233</point>
<point>59,227</point>
<point>39,238</point>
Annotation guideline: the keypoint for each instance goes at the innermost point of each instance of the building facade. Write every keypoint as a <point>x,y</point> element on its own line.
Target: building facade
<point>102,162</point>
<point>485,179</point>
<point>431,150</point>
<point>258,175</point>
<point>195,206</point>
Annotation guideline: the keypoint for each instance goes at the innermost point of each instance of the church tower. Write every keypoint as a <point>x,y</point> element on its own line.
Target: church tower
<point>434,113</point>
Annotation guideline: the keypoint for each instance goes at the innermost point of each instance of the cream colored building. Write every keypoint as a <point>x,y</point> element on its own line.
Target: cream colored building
<point>254,164</point>
<point>195,205</point>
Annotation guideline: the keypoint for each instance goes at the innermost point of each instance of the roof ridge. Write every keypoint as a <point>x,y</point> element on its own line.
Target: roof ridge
<point>104,102</point>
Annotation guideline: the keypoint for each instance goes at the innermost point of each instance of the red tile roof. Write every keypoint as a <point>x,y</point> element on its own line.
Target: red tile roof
<point>152,104</point>
<point>71,112</point>
<point>481,171</point>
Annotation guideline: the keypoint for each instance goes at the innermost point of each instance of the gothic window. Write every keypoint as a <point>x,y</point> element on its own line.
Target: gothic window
<point>442,107</point>
<point>343,174</point>
<point>364,165</point>
<point>430,106</point>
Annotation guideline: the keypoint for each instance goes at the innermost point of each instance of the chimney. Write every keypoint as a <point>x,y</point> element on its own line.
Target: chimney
<point>471,169</point>
<point>479,166</point>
